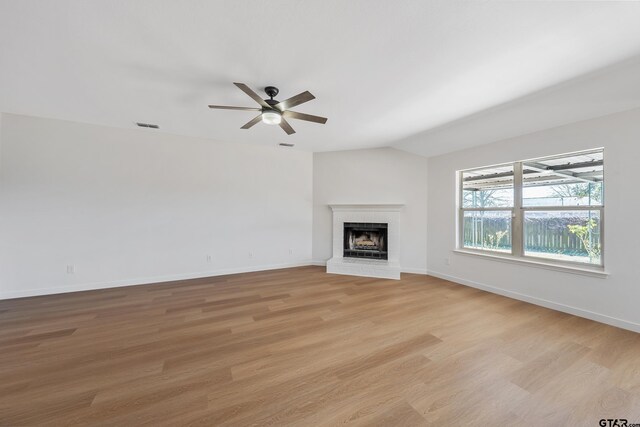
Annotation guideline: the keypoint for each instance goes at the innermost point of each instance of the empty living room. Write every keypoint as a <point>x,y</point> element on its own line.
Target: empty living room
<point>319,213</point>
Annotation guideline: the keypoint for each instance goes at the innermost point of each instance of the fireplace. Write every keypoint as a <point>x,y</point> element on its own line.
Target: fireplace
<point>365,240</point>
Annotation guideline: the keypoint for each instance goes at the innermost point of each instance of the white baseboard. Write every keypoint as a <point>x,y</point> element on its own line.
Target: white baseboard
<point>146,280</point>
<point>422,271</point>
<point>602,318</point>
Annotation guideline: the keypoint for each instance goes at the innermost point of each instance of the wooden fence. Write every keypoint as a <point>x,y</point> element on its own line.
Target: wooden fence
<point>542,234</point>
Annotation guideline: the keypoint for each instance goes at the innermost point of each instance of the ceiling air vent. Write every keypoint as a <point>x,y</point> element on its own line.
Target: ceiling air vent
<point>285,144</point>
<point>148,125</point>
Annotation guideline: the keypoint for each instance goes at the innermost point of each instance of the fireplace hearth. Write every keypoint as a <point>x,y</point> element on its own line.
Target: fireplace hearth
<point>365,240</point>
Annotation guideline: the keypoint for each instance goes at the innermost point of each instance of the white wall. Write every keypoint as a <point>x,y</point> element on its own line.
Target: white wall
<point>134,206</point>
<point>613,300</point>
<point>381,175</point>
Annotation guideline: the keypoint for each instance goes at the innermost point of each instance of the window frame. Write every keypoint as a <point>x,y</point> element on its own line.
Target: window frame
<point>518,212</point>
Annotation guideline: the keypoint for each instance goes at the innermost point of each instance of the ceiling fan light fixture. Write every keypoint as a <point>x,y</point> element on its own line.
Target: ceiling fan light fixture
<point>272,111</point>
<point>271,117</point>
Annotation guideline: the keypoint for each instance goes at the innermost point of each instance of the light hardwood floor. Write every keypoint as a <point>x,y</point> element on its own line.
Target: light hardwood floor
<point>301,347</point>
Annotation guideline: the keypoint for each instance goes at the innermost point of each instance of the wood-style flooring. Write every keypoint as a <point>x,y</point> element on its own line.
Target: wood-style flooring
<point>302,347</point>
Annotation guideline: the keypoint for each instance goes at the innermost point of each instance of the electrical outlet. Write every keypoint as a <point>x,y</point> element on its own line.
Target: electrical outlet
<point>209,258</point>
<point>71,269</point>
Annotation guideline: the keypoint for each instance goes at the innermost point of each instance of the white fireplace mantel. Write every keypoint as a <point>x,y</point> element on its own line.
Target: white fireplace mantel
<point>366,208</point>
<point>379,213</point>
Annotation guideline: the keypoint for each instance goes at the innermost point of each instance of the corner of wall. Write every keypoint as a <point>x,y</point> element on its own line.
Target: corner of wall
<point>2,255</point>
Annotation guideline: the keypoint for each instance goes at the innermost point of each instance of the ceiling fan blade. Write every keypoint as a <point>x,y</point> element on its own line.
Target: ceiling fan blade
<point>246,89</point>
<point>302,116</point>
<point>286,127</point>
<point>295,100</point>
<point>252,122</point>
<point>226,107</point>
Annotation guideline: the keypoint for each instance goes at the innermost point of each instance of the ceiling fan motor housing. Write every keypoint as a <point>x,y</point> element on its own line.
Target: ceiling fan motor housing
<point>272,91</point>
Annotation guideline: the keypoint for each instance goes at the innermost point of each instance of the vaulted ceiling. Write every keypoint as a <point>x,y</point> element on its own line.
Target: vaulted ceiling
<point>427,76</point>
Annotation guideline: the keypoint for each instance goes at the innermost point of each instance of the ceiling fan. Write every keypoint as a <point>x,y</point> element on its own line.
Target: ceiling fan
<point>273,112</point>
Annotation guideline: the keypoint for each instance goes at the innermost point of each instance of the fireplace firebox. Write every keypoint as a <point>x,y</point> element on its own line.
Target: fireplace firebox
<point>365,240</point>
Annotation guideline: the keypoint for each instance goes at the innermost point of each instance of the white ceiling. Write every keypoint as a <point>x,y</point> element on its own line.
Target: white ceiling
<point>612,89</point>
<point>382,71</point>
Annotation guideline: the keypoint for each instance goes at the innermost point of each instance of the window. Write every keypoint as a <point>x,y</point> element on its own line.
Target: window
<point>551,209</point>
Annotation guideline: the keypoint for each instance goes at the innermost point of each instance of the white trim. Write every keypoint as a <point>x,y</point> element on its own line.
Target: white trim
<point>378,208</point>
<point>584,271</point>
<point>422,271</point>
<point>147,280</point>
<point>602,318</point>
<point>517,216</point>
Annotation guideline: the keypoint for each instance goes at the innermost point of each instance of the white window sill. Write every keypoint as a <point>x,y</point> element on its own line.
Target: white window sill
<point>585,271</point>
